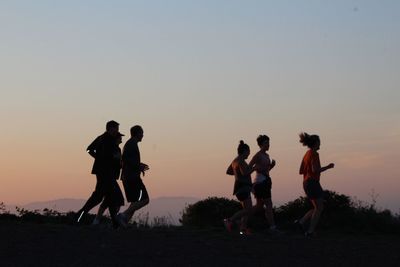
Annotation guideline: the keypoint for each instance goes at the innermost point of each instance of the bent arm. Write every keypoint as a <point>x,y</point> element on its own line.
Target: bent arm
<point>245,169</point>
<point>272,165</point>
<point>327,167</point>
<point>301,170</point>
<point>93,147</point>
<point>229,170</point>
<point>253,161</point>
<point>316,166</point>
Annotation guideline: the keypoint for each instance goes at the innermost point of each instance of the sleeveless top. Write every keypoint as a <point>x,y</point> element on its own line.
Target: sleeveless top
<point>242,182</point>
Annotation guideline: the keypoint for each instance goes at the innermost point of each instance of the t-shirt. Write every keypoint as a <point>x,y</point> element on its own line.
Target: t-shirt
<point>105,149</point>
<point>311,158</point>
<point>131,167</point>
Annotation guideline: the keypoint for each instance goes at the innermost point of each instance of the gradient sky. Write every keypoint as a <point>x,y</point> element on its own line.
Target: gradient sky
<point>199,76</point>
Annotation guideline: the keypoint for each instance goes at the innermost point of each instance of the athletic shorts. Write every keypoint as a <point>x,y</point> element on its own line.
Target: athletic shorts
<point>113,197</point>
<point>243,193</point>
<point>313,189</point>
<point>135,190</point>
<point>262,190</point>
<point>242,196</point>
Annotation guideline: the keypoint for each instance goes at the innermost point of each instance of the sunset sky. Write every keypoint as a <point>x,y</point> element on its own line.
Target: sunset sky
<point>199,76</point>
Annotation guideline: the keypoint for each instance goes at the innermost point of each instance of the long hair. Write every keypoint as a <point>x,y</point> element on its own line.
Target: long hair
<point>308,140</point>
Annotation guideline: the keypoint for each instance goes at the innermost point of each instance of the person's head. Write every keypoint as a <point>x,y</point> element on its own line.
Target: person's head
<point>263,142</point>
<point>311,141</point>
<point>112,127</point>
<point>119,138</point>
<point>243,149</point>
<point>137,132</point>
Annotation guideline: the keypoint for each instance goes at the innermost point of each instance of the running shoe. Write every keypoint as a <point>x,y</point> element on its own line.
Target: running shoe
<point>309,235</point>
<point>299,226</point>
<point>96,221</point>
<point>245,231</point>
<point>274,231</point>
<point>122,220</point>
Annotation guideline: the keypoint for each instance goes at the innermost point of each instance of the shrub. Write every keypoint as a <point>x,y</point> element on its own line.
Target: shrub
<point>341,213</point>
<point>5,214</point>
<point>209,212</point>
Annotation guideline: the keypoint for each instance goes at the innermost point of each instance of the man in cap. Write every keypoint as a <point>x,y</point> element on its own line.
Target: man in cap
<point>107,165</point>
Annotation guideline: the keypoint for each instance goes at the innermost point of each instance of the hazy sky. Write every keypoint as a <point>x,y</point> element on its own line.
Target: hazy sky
<point>199,76</point>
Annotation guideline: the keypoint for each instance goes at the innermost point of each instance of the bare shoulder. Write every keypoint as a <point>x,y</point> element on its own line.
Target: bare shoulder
<point>234,163</point>
<point>256,156</point>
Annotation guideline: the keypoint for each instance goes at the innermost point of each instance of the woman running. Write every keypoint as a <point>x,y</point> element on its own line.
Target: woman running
<point>311,170</point>
<point>262,185</point>
<point>242,188</point>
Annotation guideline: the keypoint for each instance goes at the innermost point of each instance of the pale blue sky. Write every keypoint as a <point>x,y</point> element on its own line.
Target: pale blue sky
<point>200,76</point>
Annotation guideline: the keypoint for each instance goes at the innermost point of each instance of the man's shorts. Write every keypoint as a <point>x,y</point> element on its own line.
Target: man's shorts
<point>262,190</point>
<point>313,189</point>
<point>113,196</point>
<point>135,190</point>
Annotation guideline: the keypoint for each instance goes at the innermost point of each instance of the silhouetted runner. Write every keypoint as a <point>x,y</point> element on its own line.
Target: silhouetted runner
<point>132,168</point>
<point>106,165</point>
<point>106,202</point>
<point>262,185</point>
<point>311,170</point>
<point>242,188</point>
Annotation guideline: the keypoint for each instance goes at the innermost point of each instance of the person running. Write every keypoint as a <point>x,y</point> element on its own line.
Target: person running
<point>118,193</point>
<point>311,170</point>
<point>262,184</point>
<point>242,188</point>
<point>132,167</point>
<point>105,165</point>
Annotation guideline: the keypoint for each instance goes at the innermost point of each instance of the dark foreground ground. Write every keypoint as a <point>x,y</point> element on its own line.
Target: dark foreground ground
<point>25,244</point>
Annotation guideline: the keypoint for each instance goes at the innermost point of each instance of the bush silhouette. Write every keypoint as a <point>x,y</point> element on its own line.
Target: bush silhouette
<point>209,212</point>
<point>341,213</point>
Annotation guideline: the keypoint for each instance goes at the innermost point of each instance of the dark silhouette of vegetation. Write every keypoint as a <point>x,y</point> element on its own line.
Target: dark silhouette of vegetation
<point>54,217</point>
<point>209,212</point>
<point>37,216</point>
<point>341,213</point>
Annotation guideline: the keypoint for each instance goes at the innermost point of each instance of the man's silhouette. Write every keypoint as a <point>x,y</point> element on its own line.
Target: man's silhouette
<point>132,167</point>
<point>106,202</point>
<point>106,166</point>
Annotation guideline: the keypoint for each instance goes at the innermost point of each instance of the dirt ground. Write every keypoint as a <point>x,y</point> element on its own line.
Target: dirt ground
<point>25,244</point>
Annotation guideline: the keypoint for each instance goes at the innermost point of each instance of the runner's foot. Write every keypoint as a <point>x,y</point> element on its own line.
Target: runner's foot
<point>309,235</point>
<point>96,221</point>
<point>246,231</point>
<point>122,220</point>
<point>299,226</point>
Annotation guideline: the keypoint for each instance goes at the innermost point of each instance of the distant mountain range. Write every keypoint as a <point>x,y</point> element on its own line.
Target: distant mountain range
<point>169,208</point>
